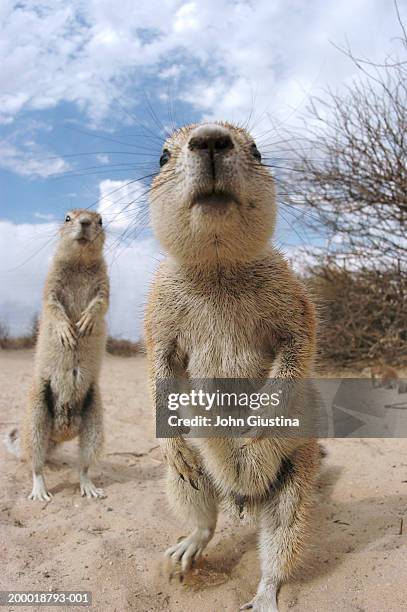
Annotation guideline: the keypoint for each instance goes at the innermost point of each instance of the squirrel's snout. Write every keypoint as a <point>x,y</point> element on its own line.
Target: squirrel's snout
<point>210,138</point>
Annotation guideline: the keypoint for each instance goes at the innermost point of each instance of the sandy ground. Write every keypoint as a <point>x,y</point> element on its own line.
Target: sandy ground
<point>113,547</point>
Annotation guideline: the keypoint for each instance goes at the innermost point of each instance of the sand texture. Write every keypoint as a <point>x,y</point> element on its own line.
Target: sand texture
<point>113,547</point>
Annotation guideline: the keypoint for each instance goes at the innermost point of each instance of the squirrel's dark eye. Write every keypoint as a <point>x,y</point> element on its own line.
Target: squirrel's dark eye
<point>100,221</point>
<point>255,152</point>
<point>164,157</point>
<point>67,218</point>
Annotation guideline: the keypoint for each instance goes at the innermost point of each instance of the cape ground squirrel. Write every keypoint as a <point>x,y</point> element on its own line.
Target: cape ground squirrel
<point>225,304</point>
<point>65,400</point>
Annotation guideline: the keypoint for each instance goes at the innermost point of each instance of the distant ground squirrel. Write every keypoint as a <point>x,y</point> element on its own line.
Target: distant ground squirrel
<point>65,400</point>
<point>225,304</point>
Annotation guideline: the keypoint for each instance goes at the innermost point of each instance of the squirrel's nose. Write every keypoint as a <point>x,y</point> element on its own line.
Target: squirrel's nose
<point>210,138</point>
<point>85,222</point>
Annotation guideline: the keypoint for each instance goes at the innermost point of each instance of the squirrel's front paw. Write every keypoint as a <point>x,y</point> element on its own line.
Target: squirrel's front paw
<point>85,323</point>
<point>184,461</point>
<point>66,333</point>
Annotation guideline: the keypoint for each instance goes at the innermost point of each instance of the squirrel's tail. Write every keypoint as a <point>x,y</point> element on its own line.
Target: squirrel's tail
<point>12,442</point>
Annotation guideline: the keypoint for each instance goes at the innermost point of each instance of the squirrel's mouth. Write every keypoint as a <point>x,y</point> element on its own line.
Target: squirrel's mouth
<point>83,240</point>
<point>215,199</point>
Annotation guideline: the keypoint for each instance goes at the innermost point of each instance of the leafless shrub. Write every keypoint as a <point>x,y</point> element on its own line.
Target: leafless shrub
<point>4,335</point>
<point>114,346</point>
<point>351,177</point>
<point>363,315</point>
<point>35,327</point>
<point>26,341</point>
<point>355,182</point>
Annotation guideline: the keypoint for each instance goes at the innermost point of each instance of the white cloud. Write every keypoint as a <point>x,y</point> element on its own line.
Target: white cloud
<point>187,18</point>
<point>173,72</point>
<point>131,268</point>
<point>103,158</point>
<point>123,205</point>
<point>269,57</point>
<point>78,53</point>
<point>26,251</point>
<point>234,54</point>
<point>44,217</point>
<point>30,160</point>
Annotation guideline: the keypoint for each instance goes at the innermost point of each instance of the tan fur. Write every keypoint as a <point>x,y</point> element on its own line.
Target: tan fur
<point>225,304</point>
<point>64,400</point>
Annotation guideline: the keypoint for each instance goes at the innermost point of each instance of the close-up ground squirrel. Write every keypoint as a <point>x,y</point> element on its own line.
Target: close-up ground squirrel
<point>225,304</point>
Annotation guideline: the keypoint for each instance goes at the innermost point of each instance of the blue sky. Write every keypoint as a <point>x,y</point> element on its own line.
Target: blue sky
<point>80,83</point>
